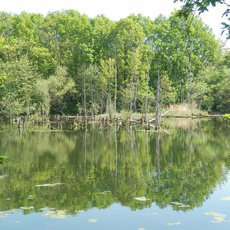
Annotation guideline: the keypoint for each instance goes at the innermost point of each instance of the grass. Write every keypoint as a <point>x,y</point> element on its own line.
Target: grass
<point>176,110</point>
<point>184,110</point>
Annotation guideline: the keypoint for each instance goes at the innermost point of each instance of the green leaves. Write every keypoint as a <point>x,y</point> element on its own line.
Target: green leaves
<point>3,159</point>
<point>2,78</point>
<point>116,62</point>
<point>192,6</point>
<point>200,5</point>
<point>59,86</point>
<point>18,87</point>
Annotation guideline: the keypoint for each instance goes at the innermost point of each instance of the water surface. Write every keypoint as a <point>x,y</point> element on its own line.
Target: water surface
<point>116,178</point>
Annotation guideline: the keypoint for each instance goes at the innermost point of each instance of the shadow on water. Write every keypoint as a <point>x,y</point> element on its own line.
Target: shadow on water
<point>98,167</point>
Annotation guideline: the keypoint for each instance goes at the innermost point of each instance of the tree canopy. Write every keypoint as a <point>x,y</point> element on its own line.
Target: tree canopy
<point>69,63</point>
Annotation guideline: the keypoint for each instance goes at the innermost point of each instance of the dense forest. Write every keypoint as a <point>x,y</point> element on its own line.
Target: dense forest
<point>68,63</point>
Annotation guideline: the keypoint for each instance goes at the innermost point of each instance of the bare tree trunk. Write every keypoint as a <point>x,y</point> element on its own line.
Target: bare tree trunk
<point>116,158</point>
<point>115,88</point>
<point>131,97</point>
<point>146,96</point>
<point>85,149</point>
<point>147,156</point>
<point>108,100</point>
<point>84,92</point>
<point>157,121</point>
<point>92,99</point>
<point>158,157</point>
<point>135,93</point>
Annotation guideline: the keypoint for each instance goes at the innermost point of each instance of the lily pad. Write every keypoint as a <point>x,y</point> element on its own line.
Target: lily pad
<point>174,223</point>
<point>153,214</point>
<point>141,198</point>
<point>91,221</point>
<point>217,217</point>
<point>177,203</point>
<point>27,208</point>
<point>180,205</point>
<point>104,192</point>
<point>60,214</point>
<point>48,185</point>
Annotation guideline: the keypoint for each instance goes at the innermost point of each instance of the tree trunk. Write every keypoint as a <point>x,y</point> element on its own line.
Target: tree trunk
<point>85,113</point>
<point>146,96</point>
<point>135,93</point>
<point>157,121</point>
<point>115,88</point>
<point>158,158</point>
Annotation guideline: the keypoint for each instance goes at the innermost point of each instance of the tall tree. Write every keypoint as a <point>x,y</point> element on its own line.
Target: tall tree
<point>129,37</point>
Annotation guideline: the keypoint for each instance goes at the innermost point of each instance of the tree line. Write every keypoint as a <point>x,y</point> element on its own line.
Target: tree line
<point>68,63</point>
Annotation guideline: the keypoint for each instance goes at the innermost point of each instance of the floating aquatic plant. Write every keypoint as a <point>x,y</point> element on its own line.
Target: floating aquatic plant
<point>27,208</point>
<point>92,221</point>
<point>142,198</point>
<point>174,223</point>
<point>48,185</point>
<point>217,217</point>
<point>56,214</point>
<point>180,205</point>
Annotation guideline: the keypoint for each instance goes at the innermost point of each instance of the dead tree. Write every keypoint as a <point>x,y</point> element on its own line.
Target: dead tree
<point>157,120</point>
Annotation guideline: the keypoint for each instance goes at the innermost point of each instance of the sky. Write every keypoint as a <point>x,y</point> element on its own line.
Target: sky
<point>113,9</point>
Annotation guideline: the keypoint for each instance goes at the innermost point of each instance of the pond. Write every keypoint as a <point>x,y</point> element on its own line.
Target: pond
<point>116,178</point>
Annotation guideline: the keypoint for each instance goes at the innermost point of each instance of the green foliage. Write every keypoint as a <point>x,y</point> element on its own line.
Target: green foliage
<point>107,80</point>
<point>2,78</point>
<point>3,159</point>
<point>211,89</point>
<point>59,86</point>
<point>89,88</point>
<point>43,61</point>
<point>125,115</point>
<point>221,98</point>
<point>168,93</point>
<point>68,63</point>
<point>203,5</point>
<point>41,97</point>
<point>226,116</point>
<point>227,59</point>
<point>18,87</point>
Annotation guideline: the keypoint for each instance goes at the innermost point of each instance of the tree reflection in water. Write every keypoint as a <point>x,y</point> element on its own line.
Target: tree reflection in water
<point>98,167</point>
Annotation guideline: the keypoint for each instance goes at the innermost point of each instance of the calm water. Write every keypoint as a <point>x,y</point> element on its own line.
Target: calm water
<point>116,178</point>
